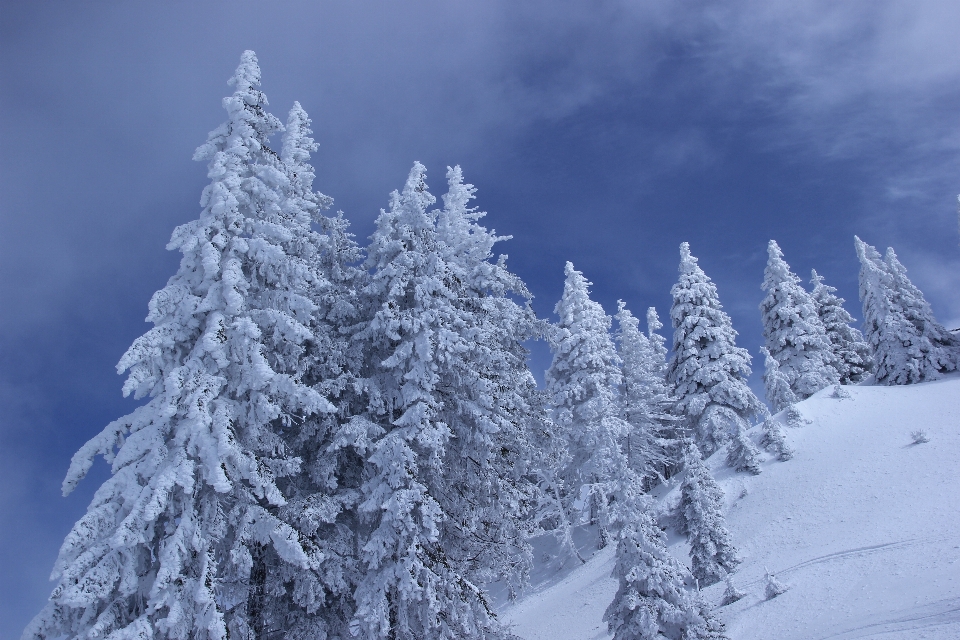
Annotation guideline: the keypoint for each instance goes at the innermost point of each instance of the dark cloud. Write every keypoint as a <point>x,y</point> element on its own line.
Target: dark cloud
<point>604,133</point>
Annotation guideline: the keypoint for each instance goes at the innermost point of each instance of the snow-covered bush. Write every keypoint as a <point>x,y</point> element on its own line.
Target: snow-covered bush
<point>773,587</point>
<point>774,440</point>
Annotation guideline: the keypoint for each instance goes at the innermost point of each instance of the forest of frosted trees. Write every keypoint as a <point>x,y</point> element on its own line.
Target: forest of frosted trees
<point>347,442</point>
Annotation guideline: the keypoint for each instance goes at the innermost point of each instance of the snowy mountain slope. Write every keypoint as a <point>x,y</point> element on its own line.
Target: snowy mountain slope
<point>862,526</point>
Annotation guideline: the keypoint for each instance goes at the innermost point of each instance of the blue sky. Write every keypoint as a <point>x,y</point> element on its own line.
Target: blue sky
<point>604,133</point>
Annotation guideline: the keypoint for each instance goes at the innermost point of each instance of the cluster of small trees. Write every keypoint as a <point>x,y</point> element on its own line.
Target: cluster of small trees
<point>344,442</point>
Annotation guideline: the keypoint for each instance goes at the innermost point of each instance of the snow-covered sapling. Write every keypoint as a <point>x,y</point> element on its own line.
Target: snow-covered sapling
<point>731,594</point>
<point>919,436</point>
<point>774,440</point>
<point>839,392</point>
<point>773,587</point>
<point>742,454</point>
<point>794,418</point>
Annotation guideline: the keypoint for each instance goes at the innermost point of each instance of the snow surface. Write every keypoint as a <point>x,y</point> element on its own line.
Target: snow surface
<point>862,526</point>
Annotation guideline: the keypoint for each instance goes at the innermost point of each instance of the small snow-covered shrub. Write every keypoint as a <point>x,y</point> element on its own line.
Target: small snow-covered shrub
<point>774,587</point>
<point>919,436</point>
<point>839,392</point>
<point>731,594</point>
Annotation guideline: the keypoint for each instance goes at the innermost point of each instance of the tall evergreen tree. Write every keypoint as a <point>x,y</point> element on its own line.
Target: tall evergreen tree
<point>582,382</point>
<point>650,445</point>
<point>652,601</point>
<point>708,371</point>
<point>322,499</point>
<point>909,344</point>
<point>175,542</point>
<point>447,384</point>
<point>701,519</point>
<point>490,396</point>
<point>792,329</point>
<point>853,355</point>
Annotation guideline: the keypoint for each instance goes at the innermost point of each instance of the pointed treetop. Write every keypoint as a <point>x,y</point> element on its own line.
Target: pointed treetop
<point>297,143</point>
<point>688,263</point>
<point>246,78</point>
<point>816,279</point>
<point>777,270</point>
<point>458,194</point>
<point>415,190</point>
<point>865,252</point>
<point>249,126</point>
<point>653,321</point>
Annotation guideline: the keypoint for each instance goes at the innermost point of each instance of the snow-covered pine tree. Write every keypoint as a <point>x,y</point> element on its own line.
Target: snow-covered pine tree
<point>650,445</point>
<point>700,518</point>
<point>773,587</point>
<point>322,499</point>
<point>792,329</point>
<point>854,359</point>
<point>731,594</point>
<point>708,371</point>
<point>658,346</point>
<point>775,383</point>
<point>445,381</point>
<point>652,601</point>
<point>490,397</point>
<point>581,383</point>
<point>909,345</point>
<point>742,454</point>
<point>174,545</point>
<point>774,440</point>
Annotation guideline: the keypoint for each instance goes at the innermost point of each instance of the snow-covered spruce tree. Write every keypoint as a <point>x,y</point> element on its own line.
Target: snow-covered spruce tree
<point>490,397</point>
<point>445,378</point>
<point>909,345</point>
<point>742,454</point>
<point>792,330</point>
<point>175,543</point>
<point>700,518</point>
<point>652,601</point>
<point>775,383</point>
<point>708,371</point>
<point>651,445</point>
<point>322,499</point>
<point>774,440</point>
<point>854,358</point>
<point>581,383</point>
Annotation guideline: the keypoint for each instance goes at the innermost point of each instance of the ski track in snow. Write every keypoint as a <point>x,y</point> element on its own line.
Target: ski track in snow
<point>850,553</point>
<point>862,526</point>
<point>936,614</point>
